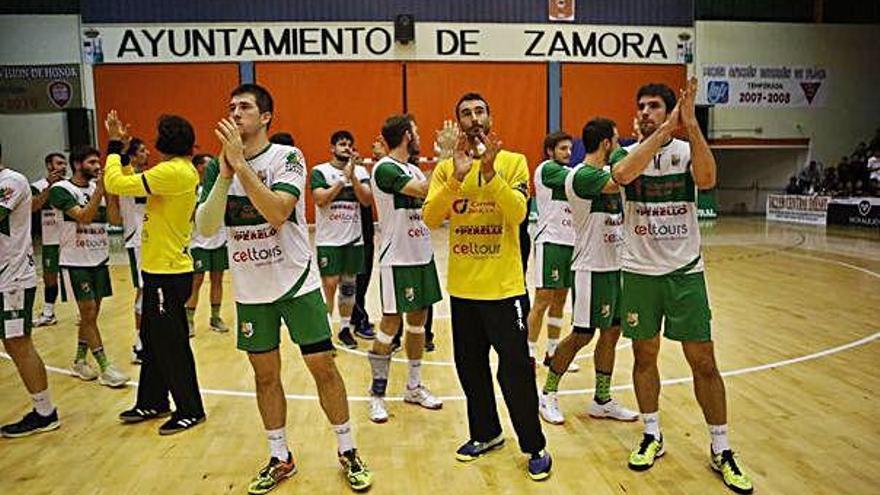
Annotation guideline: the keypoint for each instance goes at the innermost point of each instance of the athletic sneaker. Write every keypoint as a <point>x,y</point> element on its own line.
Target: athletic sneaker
<point>346,338</point>
<point>473,449</point>
<point>612,410</point>
<point>395,345</point>
<point>272,475</point>
<point>378,410</point>
<point>649,450</point>
<point>45,320</point>
<point>726,465</point>
<point>178,424</point>
<point>573,367</point>
<point>548,405</point>
<point>112,377</point>
<point>422,396</point>
<point>540,465</point>
<point>429,345</point>
<point>137,415</point>
<point>137,355</point>
<point>31,423</point>
<point>365,332</point>
<point>83,371</point>
<point>218,325</point>
<point>357,473</point>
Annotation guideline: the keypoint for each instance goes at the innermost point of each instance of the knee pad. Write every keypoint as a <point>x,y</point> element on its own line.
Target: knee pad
<point>139,304</point>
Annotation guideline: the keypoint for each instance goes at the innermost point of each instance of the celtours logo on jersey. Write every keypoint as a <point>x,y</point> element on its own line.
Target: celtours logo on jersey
<point>475,250</point>
<point>258,255</point>
<point>663,231</point>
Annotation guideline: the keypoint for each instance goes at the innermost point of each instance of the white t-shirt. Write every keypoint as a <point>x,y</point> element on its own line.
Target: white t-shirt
<point>339,222</point>
<point>131,209</point>
<point>404,239</point>
<point>17,270</point>
<point>554,212</point>
<point>598,220</point>
<point>50,217</point>
<point>81,245</point>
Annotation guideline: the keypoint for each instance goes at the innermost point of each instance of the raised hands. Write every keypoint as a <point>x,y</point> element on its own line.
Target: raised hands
<point>445,139</point>
<point>232,154</point>
<point>688,107</point>
<point>462,157</point>
<point>116,130</point>
<point>492,146</point>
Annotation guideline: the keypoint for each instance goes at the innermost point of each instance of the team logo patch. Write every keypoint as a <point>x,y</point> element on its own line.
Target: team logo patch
<point>198,263</point>
<point>719,92</point>
<point>85,287</point>
<point>864,208</point>
<point>676,160</point>
<point>323,261</point>
<point>409,293</point>
<point>247,329</point>
<point>632,319</point>
<point>554,274</point>
<point>292,163</point>
<point>606,311</point>
<point>5,194</point>
<point>261,174</point>
<point>460,206</point>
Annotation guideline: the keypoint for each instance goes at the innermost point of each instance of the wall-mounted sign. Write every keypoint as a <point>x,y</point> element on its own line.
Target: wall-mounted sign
<point>39,88</point>
<point>115,43</point>
<point>748,85</point>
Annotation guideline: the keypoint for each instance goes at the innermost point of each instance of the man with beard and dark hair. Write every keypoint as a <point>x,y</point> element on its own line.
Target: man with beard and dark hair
<point>56,168</point>
<point>340,187</point>
<point>409,283</point>
<point>84,258</point>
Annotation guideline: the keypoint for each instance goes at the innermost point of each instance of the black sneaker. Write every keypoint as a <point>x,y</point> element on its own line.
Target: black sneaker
<point>31,423</point>
<point>178,424</point>
<point>347,339</point>
<point>429,346</point>
<point>365,331</point>
<point>138,414</point>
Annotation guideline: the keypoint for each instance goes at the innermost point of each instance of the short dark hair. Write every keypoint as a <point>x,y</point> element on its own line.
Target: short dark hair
<point>470,97</point>
<point>198,158</point>
<point>133,146</point>
<point>658,89</point>
<point>394,129</point>
<point>176,136</point>
<point>553,139</point>
<point>340,135</point>
<point>261,96</point>
<point>52,156</point>
<point>596,131</point>
<point>82,153</point>
<point>284,138</point>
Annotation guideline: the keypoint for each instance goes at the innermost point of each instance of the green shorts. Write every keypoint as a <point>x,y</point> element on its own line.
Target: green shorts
<point>553,266</point>
<point>404,289</point>
<point>337,260</point>
<point>134,266</point>
<point>50,259</point>
<point>595,298</point>
<point>679,301</point>
<point>85,283</point>
<point>210,260</point>
<point>259,325</point>
<point>16,313</point>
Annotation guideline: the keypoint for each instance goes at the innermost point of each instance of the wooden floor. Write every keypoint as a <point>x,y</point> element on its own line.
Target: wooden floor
<point>796,327</point>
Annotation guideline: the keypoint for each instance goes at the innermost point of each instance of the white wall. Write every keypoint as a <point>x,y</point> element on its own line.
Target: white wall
<point>850,53</point>
<point>35,40</point>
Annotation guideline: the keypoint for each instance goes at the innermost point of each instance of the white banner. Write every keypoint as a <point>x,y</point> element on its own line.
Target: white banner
<point>738,85</point>
<point>152,43</point>
<point>811,210</point>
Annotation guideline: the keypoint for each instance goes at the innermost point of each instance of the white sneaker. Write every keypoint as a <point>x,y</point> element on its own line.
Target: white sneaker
<point>422,396</point>
<point>548,405</point>
<point>612,410</point>
<point>112,377</point>
<point>83,371</point>
<point>574,367</point>
<point>218,325</point>
<point>45,320</point>
<point>378,411</point>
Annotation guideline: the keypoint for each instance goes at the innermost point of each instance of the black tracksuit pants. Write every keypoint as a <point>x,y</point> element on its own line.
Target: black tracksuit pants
<point>478,325</point>
<point>168,363</point>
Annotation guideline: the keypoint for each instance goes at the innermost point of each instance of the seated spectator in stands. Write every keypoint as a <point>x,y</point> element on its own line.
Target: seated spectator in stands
<point>792,187</point>
<point>874,167</point>
<point>829,182</point>
<point>858,189</point>
<point>811,176</point>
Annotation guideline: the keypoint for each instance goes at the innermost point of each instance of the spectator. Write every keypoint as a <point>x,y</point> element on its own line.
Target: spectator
<point>793,187</point>
<point>874,168</point>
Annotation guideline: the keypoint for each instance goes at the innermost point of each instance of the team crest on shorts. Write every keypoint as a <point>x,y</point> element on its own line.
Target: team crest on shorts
<point>632,319</point>
<point>606,311</point>
<point>323,262</point>
<point>554,274</point>
<point>247,329</point>
<point>198,263</point>
<point>409,293</point>
<point>85,287</point>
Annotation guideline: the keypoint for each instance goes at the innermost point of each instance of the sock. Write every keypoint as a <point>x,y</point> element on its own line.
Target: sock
<point>533,348</point>
<point>215,311</point>
<point>379,364</point>
<point>552,383</point>
<point>719,438</point>
<point>100,357</point>
<point>43,403</point>
<point>415,373</point>
<point>344,437</point>
<point>652,424</point>
<point>82,350</point>
<point>190,315</point>
<point>343,323</point>
<point>552,344</point>
<point>277,443</point>
<point>50,295</point>
<point>603,387</point>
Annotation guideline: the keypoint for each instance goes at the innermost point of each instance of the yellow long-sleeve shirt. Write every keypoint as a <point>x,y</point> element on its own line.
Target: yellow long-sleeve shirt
<point>484,218</point>
<point>170,188</point>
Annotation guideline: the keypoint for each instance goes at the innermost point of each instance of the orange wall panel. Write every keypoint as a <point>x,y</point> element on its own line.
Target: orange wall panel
<point>312,100</point>
<point>609,90</point>
<point>143,92</point>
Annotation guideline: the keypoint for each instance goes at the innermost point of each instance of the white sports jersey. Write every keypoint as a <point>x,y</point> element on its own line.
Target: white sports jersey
<point>661,232</point>
<point>199,241</point>
<point>598,224</point>
<point>131,209</point>
<point>17,269</point>
<point>268,263</point>
<point>50,217</point>
<point>554,212</point>
<point>81,245</point>
<point>338,223</point>
<point>404,239</point>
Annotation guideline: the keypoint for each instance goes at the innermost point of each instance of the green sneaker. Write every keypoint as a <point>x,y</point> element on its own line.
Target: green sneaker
<point>357,473</point>
<point>272,475</point>
<point>735,479</point>
<point>649,450</point>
